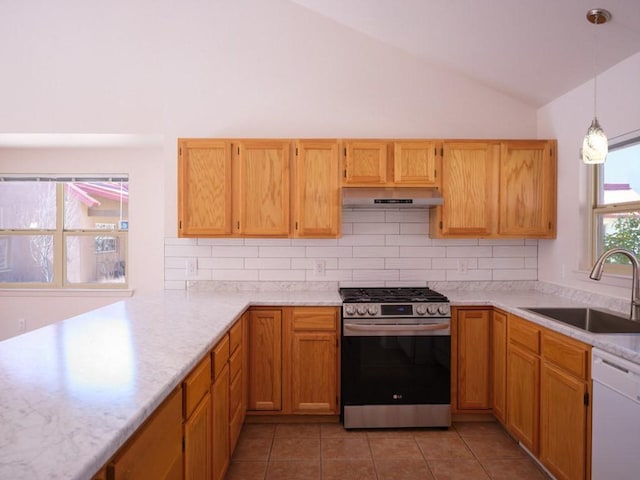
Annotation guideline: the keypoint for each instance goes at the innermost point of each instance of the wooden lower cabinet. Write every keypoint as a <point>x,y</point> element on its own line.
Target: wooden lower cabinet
<point>220,424</point>
<point>499,364</point>
<point>197,442</point>
<point>473,347</point>
<point>293,360</point>
<point>312,360</point>
<point>265,360</point>
<point>154,452</point>
<point>523,379</point>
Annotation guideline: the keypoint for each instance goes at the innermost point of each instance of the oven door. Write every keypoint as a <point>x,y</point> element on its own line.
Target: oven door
<point>380,370</point>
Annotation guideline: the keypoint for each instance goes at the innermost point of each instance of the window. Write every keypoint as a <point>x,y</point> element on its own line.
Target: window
<point>616,212</point>
<point>63,232</point>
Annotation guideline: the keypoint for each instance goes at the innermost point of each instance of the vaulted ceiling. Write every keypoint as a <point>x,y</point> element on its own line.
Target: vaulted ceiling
<point>534,50</point>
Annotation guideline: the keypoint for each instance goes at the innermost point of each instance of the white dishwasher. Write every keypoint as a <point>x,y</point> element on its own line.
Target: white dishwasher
<point>616,418</point>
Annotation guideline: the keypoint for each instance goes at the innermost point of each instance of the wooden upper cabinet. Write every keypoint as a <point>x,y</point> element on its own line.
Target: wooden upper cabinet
<point>317,212</point>
<point>261,188</point>
<point>416,163</point>
<point>204,188</point>
<point>365,163</point>
<point>528,189</point>
<point>469,176</point>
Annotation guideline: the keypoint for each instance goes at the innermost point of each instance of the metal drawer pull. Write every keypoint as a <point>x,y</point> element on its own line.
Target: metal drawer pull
<point>397,328</point>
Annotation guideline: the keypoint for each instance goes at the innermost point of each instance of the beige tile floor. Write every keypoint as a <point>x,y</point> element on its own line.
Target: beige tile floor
<point>468,450</point>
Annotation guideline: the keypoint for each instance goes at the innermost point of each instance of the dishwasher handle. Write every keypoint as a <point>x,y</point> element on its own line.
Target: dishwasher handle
<point>617,374</point>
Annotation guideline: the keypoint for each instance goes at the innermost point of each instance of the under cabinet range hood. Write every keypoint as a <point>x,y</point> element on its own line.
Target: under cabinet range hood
<point>381,197</point>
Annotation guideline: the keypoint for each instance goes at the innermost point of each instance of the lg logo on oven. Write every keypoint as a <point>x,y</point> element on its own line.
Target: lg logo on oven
<point>397,396</point>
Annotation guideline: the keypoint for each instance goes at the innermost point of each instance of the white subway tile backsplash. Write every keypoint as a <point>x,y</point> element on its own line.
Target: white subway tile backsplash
<point>501,263</point>
<point>376,228</point>
<point>233,251</point>
<point>363,240</point>
<point>421,252</point>
<point>271,252</point>
<point>376,251</point>
<point>187,251</point>
<point>469,251</point>
<point>360,263</point>
<point>526,251</point>
<point>515,274</point>
<point>377,248</point>
<point>268,263</point>
<point>376,275</point>
<point>408,263</point>
<point>415,240</point>
<point>224,263</point>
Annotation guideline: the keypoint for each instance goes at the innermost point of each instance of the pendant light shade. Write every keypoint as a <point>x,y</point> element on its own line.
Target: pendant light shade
<point>595,145</point>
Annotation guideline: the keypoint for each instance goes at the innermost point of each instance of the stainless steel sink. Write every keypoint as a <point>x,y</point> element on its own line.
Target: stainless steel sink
<point>589,319</point>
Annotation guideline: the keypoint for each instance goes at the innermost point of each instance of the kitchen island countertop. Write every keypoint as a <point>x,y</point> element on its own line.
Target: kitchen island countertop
<point>73,392</point>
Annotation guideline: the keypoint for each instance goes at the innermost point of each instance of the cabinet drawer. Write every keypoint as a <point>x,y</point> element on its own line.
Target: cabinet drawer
<point>155,451</point>
<point>235,363</point>
<point>220,356</point>
<point>567,353</point>
<point>525,334</point>
<point>196,385</point>
<point>235,337</point>
<point>235,426</point>
<point>315,319</point>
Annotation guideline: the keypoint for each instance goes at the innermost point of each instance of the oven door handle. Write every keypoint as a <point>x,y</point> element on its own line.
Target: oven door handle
<point>396,328</point>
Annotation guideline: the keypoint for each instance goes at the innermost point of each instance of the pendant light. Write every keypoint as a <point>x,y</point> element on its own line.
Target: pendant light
<point>595,145</point>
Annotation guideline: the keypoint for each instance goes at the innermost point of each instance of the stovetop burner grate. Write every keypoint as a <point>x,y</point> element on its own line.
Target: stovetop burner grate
<point>391,295</point>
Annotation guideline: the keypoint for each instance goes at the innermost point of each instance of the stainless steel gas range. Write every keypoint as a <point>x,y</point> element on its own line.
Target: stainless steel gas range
<point>396,358</point>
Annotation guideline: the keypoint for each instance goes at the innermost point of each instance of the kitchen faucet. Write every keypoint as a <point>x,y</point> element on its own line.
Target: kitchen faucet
<point>598,267</point>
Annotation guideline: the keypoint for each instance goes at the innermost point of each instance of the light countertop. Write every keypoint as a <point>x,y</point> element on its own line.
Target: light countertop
<point>73,392</point>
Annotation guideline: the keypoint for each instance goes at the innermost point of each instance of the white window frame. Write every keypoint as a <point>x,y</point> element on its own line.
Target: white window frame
<point>60,235</point>
<point>597,208</point>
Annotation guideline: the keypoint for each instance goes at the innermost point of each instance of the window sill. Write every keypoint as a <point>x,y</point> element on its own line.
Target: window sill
<point>66,292</point>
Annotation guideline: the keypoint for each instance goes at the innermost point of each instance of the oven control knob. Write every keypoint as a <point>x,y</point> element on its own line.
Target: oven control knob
<point>362,309</point>
<point>443,309</point>
<point>350,309</point>
<point>421,309</point>
<point>432,309</point>
<point>373,310</point>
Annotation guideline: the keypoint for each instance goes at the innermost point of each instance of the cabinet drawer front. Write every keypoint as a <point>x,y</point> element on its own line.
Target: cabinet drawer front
<point>235,336</point>
<point>235,363</point>
<point>567,353</point>
<point>315,319</point>
<point>196,385</point>
<point>220,356</point>
<point>524,333</point>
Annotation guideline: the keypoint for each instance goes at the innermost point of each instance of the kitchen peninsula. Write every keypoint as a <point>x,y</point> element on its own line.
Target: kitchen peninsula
<point>72,393</point>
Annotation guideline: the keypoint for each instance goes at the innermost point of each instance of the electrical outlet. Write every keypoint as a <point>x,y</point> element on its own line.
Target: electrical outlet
<point>192,267</point>
<point>22,325</point>
<point>319,268</point>
<point>463,265</point>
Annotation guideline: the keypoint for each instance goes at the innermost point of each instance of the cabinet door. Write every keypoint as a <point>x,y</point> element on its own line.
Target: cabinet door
<point>474,347</point>
<point>523,376</point>
<point>469,188</point>
<point>528,189</point>
<point>313,372</point>
<point>317,209</point>
<point>262,188</point>
<point>499,364</point>
<point>365,163</point>
<point>197,442</point>
<point>220,424</point>
<point>204,188</point>
<point>155,451</point>
<point>563,423</point>
<point>414,163</point>
<point>265,360</point>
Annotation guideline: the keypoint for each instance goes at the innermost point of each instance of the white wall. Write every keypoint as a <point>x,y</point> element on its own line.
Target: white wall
<point>242,68</point>
<point>567,118</point>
